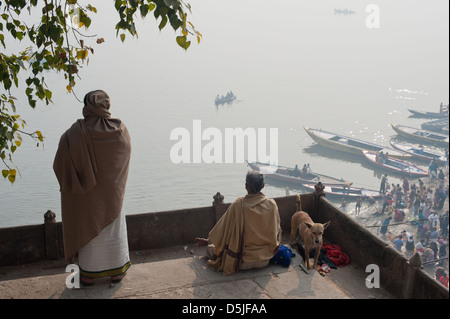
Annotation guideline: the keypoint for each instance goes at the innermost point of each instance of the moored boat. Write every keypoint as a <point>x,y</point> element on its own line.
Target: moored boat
<point>419,152</point>
<point>349,144</point>
<point>293,176</point>
<point>428,115</point>
<point>423,136</point>
<point>435,125</point>
<point>395,165</point>
<point>347,192</point>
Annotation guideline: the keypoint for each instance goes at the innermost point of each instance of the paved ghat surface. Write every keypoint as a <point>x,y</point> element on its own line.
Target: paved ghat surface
<point>181,273</point>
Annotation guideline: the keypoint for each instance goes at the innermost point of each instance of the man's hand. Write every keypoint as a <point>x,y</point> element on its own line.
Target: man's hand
<point>201,242</point>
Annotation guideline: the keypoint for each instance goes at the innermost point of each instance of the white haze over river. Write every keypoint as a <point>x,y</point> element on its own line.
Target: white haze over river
<point>290,63</point>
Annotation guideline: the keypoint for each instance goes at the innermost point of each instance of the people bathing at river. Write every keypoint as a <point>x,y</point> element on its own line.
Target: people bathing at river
<point>399,215</point>
<point>442,251</point>
<point>405,185</point>
<point>442,276</point>
<point>409,246</point>
<point>384,225</point>
<point>383,184</point>
<point>358,205</point>
<point>433,219</point>
<point>424,203</point>
<point>444,222</point>
<point>416,205</point>
<point>412,196</point>
<point>427,255</point>
<point>343,205</point>
<point>398,243</point>
<point>420,246</point>
<point>439,198</point>
<point>381,157</point>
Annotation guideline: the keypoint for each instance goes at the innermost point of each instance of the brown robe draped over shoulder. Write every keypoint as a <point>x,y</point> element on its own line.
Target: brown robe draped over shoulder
<point>249,231</point>
<point>91,165</point>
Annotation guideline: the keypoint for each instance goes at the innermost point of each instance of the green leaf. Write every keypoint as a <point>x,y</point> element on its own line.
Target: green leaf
<point>174,21</point>
<point>12,178</point>
<point>5,173</point>
<point>39,135</point>
<point>48,94</point>
<point>118,4</point>
<point>144,10</point>
<point>163,23</point>
<point>11,175</point>
<point>122,37</point>
<point>182,42</point>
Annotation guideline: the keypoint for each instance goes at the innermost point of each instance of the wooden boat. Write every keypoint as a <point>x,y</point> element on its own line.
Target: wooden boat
<point>230,97</point>
<point>395,165</point>
<point>352,193</point>
<point>428,115</point>
<point>349,144</point>
<point>423,136</point>
<point>419,152</point>
<point>435,125</point>
<point>291,176</point>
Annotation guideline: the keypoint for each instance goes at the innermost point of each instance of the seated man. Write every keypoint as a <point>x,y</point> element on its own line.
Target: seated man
<point>248,234</point>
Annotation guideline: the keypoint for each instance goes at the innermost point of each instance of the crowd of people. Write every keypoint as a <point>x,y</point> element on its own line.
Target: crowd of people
<point>421,208</point>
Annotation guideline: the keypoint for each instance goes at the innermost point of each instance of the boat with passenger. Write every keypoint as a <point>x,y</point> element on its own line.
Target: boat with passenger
<point>294,176</point>
<point>228,98</point>
<point>443,113</point>
<point>347,192</point>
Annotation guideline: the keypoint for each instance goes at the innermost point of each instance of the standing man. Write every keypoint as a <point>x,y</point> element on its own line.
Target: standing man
<point>384,225</point>
<point>398,243</point>
<point>433,218</point>
<point>91,165</point>
<point>383,184</point>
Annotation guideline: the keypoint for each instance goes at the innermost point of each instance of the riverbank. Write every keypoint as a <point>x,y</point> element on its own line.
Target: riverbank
<point>371,218</point>
<point>34,251</point>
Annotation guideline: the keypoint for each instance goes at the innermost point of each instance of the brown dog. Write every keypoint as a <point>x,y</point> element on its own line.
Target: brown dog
<point>310,233</point>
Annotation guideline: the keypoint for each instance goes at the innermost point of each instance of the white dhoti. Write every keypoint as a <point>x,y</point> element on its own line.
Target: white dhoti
<point>107,254</point>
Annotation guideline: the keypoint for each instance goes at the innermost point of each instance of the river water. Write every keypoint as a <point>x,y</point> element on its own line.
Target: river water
<point>291,64</point>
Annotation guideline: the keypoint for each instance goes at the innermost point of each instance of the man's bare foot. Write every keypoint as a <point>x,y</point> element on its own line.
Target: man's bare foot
<point>86,281</point>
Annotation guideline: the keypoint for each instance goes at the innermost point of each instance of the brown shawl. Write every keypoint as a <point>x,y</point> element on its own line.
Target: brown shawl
<point>249,231</point>
<point>91,165</point>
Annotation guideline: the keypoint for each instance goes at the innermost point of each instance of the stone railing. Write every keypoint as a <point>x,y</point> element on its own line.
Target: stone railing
<point>401,277</point>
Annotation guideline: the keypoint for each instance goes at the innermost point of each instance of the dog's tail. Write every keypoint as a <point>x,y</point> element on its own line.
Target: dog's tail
<point>299,203</point>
